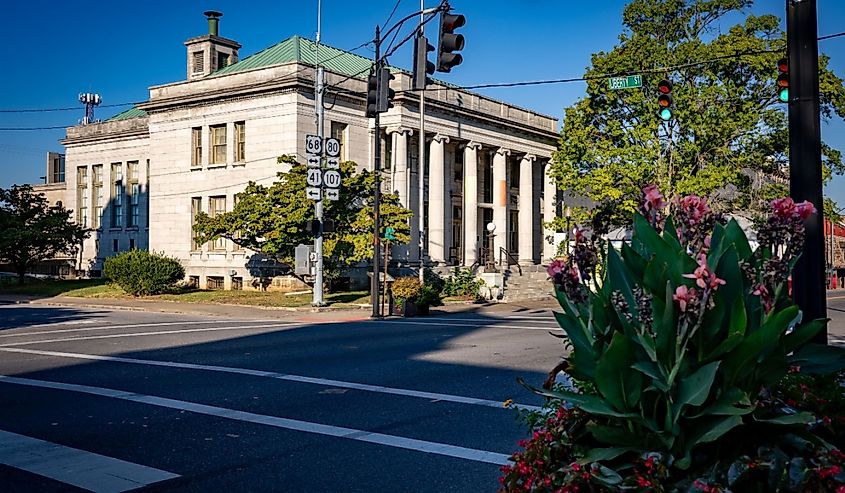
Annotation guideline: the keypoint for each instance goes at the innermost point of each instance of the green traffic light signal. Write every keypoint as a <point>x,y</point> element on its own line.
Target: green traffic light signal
<point>665,114</point>
<point>783,95</point>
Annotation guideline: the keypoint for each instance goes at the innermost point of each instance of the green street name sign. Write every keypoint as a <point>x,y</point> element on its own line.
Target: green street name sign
<point>630,82</point>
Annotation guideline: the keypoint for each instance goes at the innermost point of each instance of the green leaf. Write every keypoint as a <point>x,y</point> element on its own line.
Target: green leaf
<point>592,404</point>
<point>694,389</point>
<point>633,260</point>
<point>735,236</point>
<point>648,238</point>
<point>803,334</point>
<point>711,431</point>
<point>739,361</point>
<point>614,435</point>
<point>736,330</point>
<point>726,405</point>
<point>664,325</point>
<point>600,454</point>
<point>614,378</point>
<point>789,419</point>
<point>819,359</point>
<point>651,370</point>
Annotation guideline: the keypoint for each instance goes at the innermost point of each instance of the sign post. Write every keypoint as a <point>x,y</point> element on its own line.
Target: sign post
<point>313,190</point>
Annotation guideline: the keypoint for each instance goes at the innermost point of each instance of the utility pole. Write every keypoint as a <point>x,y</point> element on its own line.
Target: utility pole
<point>318,205</point>
<point>421,163</point>
<point>377,192</point>
<point>805,169</point>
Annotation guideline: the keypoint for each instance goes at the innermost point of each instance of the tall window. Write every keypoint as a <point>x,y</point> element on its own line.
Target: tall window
<point>240,142</point>
<point>117,195</point>
<point>222,60</point>
<point>216,207</point>
<point>487,179</point>
<point>339,133</point>
<point>134,193</point>
<point>513,173</point>
<point>97,218</point>
<point>218,144</point>
<point>82,196</point>
<point>196,207</point>
<point>57,168</point>
<point>196,146</point>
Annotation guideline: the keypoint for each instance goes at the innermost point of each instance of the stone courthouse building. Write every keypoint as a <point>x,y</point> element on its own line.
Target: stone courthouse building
<point>139,177</point>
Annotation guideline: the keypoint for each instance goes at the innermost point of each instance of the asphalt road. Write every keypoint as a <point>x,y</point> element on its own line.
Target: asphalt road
<point>119,400</point>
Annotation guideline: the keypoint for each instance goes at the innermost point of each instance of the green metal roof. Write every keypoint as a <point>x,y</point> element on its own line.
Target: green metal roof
<point>132,112</point>
<point>299,49</point>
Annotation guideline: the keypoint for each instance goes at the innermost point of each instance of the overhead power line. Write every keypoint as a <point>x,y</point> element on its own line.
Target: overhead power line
<point>72,108</point>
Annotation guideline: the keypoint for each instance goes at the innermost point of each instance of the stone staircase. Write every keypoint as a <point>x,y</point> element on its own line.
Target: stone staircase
<point>532,284</point>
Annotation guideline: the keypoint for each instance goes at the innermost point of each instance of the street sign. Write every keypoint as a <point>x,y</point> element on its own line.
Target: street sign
<point>332,193</point>
<point>332,147</point>
<point>629,82</point>
<point>333,162</point>
<point>312,193</point>
<point>331,178</point>
<point>313,145</point>
<point>313,161</point>
<point>314,178</point>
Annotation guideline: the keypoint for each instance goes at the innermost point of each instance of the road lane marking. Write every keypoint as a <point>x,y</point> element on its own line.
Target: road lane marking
<point>127,326</point>
<point>141,334</point>
<point>280,376</point>
<point>275,421</point>
<point>76,467</point>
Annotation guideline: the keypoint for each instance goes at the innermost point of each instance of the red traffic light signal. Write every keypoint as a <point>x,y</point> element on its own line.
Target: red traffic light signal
<point>664,100</point>
<point>783,80</point>
<point>449,42</point>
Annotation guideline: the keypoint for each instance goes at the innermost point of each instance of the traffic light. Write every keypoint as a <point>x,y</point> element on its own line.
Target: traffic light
<point>422,67</point>
<point>783,80</point>
<point>372,95</point>
<point>385,93</point>
<point>664,100</point>
<point>449,42</point>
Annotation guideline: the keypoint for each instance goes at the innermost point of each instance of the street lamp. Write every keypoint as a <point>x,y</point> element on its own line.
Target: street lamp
<point>491,257</point>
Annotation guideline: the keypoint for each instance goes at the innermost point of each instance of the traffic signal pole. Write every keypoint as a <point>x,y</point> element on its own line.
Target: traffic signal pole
<point>805,168</point>
<point>377,193</point>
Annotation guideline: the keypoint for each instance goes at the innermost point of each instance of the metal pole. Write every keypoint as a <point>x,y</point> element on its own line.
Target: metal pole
<point>805,170</point>
<point>318,205</point>
<point>386,262</point>
<point>421,166</point>
<point>377,192</point>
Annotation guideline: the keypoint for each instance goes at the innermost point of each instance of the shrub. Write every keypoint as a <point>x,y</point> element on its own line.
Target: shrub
<point>406,288</point>
<point>685,344</point>
<point>462,283</point>
<point>428,296</point>
<point>141,273</point>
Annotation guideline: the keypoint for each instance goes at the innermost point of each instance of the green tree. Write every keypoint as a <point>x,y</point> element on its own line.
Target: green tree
<point>729,128</point>
<point>274,219</point>
<point>31,230</point>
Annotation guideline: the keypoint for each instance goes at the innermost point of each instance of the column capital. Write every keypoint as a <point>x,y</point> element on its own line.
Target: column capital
<point>400,130</point>
<point>503,151</point>
<point>473,145</point>
<point>529,157</point>
<point>440,137</point>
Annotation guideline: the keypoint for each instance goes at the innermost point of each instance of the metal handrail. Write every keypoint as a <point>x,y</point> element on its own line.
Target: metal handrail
<point>511,259</point>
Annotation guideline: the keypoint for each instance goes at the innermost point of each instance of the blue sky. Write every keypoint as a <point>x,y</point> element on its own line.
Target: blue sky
<point>54,50</point>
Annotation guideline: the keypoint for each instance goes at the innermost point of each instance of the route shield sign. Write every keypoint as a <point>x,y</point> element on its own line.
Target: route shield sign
<point>332,147</point>
<point>331,178</point>
<point>314,178</point>
<point>313,145</point>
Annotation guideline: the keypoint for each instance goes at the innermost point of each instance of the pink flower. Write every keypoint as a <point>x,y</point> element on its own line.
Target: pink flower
<point>696,208</point>
<point>765,296</point>
<point>653,198</point>
<point>787,208</point>
<point>704,278</point>
<point>684,296</point>
<point>556,267</point>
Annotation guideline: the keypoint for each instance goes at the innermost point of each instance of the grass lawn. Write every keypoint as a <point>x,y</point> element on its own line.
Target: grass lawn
<point>99,288</point>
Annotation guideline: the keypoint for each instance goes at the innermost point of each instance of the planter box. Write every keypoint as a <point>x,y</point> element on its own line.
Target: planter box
<point>410,309</point>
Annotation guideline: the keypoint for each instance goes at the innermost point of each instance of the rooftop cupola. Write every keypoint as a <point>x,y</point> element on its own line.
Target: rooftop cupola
<point>210,52</point>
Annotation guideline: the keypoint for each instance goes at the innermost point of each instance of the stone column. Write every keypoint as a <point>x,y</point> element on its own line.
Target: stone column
<point>526,209</point>
<point>500,200</point>
<point>437,194</point>
<point>549,213</point>
<point>400,184</point>
<point>399,164</point>
<point>471,202</point>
